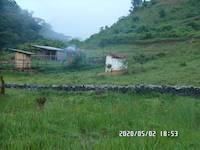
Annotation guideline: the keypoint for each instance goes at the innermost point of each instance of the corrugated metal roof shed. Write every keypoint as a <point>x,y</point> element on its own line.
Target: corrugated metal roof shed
<point>48,48</point>
<point>21,51</point>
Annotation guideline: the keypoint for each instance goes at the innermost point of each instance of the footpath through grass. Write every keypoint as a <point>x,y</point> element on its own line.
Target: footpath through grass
<point>90,121</point>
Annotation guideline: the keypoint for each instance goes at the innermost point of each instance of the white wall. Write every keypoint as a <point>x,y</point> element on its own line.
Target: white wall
<point>117,64</point>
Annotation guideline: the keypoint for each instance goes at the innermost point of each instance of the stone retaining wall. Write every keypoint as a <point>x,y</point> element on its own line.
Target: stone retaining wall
<point>180,90</point>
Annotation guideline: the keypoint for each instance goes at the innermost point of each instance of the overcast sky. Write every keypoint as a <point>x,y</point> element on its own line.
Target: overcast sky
<point>77,18</point>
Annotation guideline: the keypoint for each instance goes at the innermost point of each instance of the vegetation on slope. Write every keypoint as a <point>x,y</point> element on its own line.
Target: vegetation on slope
<point>162,63</point>
<point>158,19</point>
<point>19,26</point>
<point>16,25</point>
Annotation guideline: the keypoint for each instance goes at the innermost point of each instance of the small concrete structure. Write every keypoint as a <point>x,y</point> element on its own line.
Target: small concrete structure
<point>115,62</point>
<point>22,59</point>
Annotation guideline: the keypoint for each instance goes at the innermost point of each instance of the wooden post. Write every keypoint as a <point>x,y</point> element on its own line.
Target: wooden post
<point>2,92</point>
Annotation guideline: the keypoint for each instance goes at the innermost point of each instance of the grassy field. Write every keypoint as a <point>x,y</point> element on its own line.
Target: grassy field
<point>173,63</point>
<point>163,49</point>
<point>90,121</point>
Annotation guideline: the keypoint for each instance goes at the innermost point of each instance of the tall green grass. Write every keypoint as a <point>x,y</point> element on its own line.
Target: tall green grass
<point>89,121</point>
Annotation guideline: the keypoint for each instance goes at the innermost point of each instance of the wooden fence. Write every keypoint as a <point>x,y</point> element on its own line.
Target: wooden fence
<point>45,61</point>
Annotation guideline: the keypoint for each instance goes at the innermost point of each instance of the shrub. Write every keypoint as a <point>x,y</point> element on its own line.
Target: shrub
<point>141,59</point>
<point>79,60</point>
<point>41,102</point>
<point>161,54</point>
<point>145,4</point>
<point>166,28</point>
<point>142,29</point>
<point>194,2</point>
<point>148,35</point>
<point>183,64</point>
<point>194,25</point>
<point>153,2</point>
<point>136,18</point>
<point>162,13</point>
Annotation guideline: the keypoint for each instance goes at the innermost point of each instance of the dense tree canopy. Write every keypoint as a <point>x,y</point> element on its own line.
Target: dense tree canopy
<point>16,25</point>
<point>136,3</point>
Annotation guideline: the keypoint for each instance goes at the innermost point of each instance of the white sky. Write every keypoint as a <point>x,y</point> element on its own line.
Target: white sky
<point>77,18</point>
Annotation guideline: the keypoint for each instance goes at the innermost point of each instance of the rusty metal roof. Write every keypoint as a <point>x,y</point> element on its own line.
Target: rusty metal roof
<point>117,55</point>
<point>21,51</point>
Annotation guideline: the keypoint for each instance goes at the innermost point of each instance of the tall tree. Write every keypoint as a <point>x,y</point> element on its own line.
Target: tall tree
<point>16,25</point>
<point>136,3</point>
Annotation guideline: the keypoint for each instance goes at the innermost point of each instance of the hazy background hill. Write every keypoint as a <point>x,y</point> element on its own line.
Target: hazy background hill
<point>19,26</point>
<point>16,25</point>
<point>158,19</point>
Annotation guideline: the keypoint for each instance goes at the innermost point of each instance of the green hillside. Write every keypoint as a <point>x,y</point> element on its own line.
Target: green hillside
<point>169,56</point>
<point>16,25</point>
<point>155,20</point>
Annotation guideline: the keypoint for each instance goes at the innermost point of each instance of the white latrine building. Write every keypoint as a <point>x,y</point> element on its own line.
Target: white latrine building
<point>116,62</point>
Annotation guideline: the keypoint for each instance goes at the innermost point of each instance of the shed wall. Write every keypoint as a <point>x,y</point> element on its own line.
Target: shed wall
<point>22,61</point>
